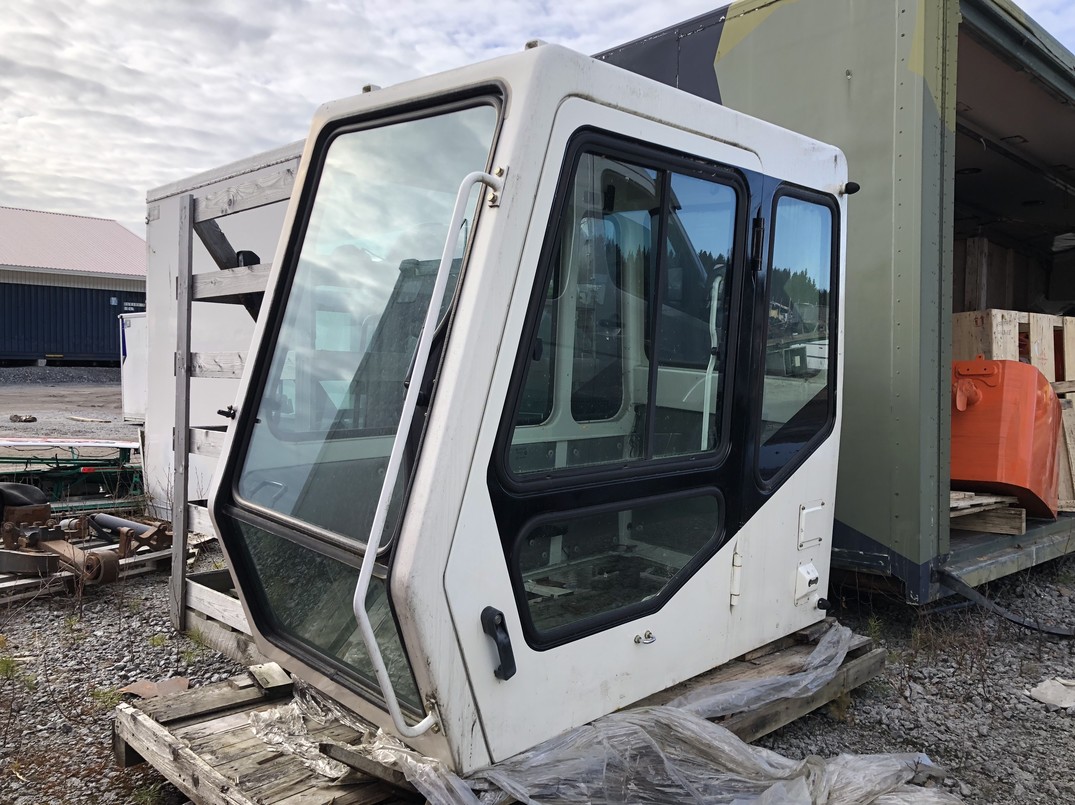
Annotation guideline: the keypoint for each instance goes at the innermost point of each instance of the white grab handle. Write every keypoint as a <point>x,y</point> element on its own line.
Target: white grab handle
<point>418,370</point>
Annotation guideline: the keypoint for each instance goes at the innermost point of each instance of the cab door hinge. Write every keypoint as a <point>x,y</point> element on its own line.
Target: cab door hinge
<point>737,577</point>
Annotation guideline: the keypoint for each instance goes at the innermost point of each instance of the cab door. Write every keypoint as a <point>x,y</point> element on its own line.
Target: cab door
<point>614,448</point>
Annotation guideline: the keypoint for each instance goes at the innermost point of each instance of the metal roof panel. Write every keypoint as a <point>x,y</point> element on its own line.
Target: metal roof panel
<point>62,242</point>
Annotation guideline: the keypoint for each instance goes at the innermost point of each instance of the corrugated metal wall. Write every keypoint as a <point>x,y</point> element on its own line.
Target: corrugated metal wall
<point>70,324</point>
<point>71,279</point>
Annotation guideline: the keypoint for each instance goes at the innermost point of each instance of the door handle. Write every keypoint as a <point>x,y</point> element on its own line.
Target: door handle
<point>493,625</point>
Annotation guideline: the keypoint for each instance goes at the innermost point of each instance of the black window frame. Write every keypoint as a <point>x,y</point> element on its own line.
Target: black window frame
<point>807,448</point>
<point>542,640</point>
<point>571,492</point>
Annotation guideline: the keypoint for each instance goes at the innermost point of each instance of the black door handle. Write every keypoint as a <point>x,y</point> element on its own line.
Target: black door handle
<point>493,625</point>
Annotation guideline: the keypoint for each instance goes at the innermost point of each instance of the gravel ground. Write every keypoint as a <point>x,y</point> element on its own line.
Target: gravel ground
<point>54,394</point>
<point>954,686</point>
<point>62,660</point>
<point>60,375</point>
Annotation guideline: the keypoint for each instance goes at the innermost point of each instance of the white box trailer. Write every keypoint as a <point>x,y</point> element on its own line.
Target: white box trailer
<point>134,365</point>
<point>241,203</point>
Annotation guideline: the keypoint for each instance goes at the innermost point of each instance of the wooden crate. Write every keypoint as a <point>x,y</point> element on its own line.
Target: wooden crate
<point>994,334</point>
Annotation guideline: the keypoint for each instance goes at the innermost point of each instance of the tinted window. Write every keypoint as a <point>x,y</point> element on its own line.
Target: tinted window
<point>592,395</point>
<point>796,401</point>
<point>581,566</point>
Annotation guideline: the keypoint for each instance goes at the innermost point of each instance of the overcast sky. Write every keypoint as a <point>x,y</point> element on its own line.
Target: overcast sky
<point>101,100</point>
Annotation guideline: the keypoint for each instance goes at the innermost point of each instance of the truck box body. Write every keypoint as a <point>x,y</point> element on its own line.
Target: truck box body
<point>957,119</point>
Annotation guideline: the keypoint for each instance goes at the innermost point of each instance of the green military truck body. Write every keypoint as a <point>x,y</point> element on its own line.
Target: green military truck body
<point>958,121</point>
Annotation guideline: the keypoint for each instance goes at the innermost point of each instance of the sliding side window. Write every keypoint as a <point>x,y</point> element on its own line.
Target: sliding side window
<point>798,398</point>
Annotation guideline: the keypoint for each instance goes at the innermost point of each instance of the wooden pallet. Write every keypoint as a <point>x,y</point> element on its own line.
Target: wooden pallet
<point>991,514</point>
<point>201,740</point>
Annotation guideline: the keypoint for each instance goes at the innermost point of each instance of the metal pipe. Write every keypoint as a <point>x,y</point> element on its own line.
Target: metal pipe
<point>110,524</point>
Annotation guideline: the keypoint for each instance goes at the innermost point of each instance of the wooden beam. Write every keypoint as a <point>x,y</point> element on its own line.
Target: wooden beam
<point>1042,349</point>
<point>227,285</point>
<point>181,423</point>
<point>247,195</point>
<point>216,243</point>
<point>991,333</point>
<point>754,724</point>
<point>217,364</point>
<point>198,520</point>
<point>217,605</point>
<point>996,521</point>
<point>206,442</point>
<point>235,645</point>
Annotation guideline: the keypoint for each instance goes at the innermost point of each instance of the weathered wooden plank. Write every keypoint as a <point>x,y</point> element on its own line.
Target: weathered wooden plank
<point>753,725</point>
<point>1067,434</point>
<point>976,509</point>
<point>1008,520</point>
<point>216,605</point>
<point>216,243</point>
<point>991,333</point>
<point>286,155</point>
<point>215,700</point>
<point>1065,487</point>
<point>228,284</point>
<point>236,645</point>
<point>271,678</point>
<point>183,768</point>
<point>206,442</point>
<point>198,520</point>
<point>217,364</point>
<point>245,195</point>
<point>976,500</point>
<point>217,732</point>
<point>367,794</point>
<point>364,765</point>
<point>1069,351</point>
<point>1042,349</point>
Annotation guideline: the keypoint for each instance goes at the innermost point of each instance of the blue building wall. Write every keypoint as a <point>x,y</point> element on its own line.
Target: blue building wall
<point>63,324</point>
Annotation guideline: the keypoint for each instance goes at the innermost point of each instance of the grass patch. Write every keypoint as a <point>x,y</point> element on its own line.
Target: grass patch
<point>148,794</point>
<point>106,698</point>
<point>158,640</point>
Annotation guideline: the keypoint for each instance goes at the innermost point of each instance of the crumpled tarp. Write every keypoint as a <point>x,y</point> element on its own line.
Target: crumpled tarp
<point>645,756</point>
<point>1057,693</point>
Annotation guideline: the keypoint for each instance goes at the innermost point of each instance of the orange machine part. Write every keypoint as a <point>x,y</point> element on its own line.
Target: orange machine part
<point>1005,426</point>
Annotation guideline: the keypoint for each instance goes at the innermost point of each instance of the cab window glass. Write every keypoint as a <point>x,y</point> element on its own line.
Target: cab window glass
<point>592,396</point>
<point>796,404</point>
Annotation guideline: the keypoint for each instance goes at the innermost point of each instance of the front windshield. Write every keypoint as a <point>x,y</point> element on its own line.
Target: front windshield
<point>331,403</point>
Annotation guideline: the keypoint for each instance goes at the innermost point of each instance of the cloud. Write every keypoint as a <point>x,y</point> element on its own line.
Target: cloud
<point>102,100</point>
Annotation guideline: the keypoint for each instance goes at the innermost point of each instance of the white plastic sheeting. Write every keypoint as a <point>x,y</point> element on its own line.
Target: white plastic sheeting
<point>646,756</point>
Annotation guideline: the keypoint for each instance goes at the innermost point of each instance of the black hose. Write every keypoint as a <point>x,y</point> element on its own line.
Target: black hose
<point>960,587</point>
